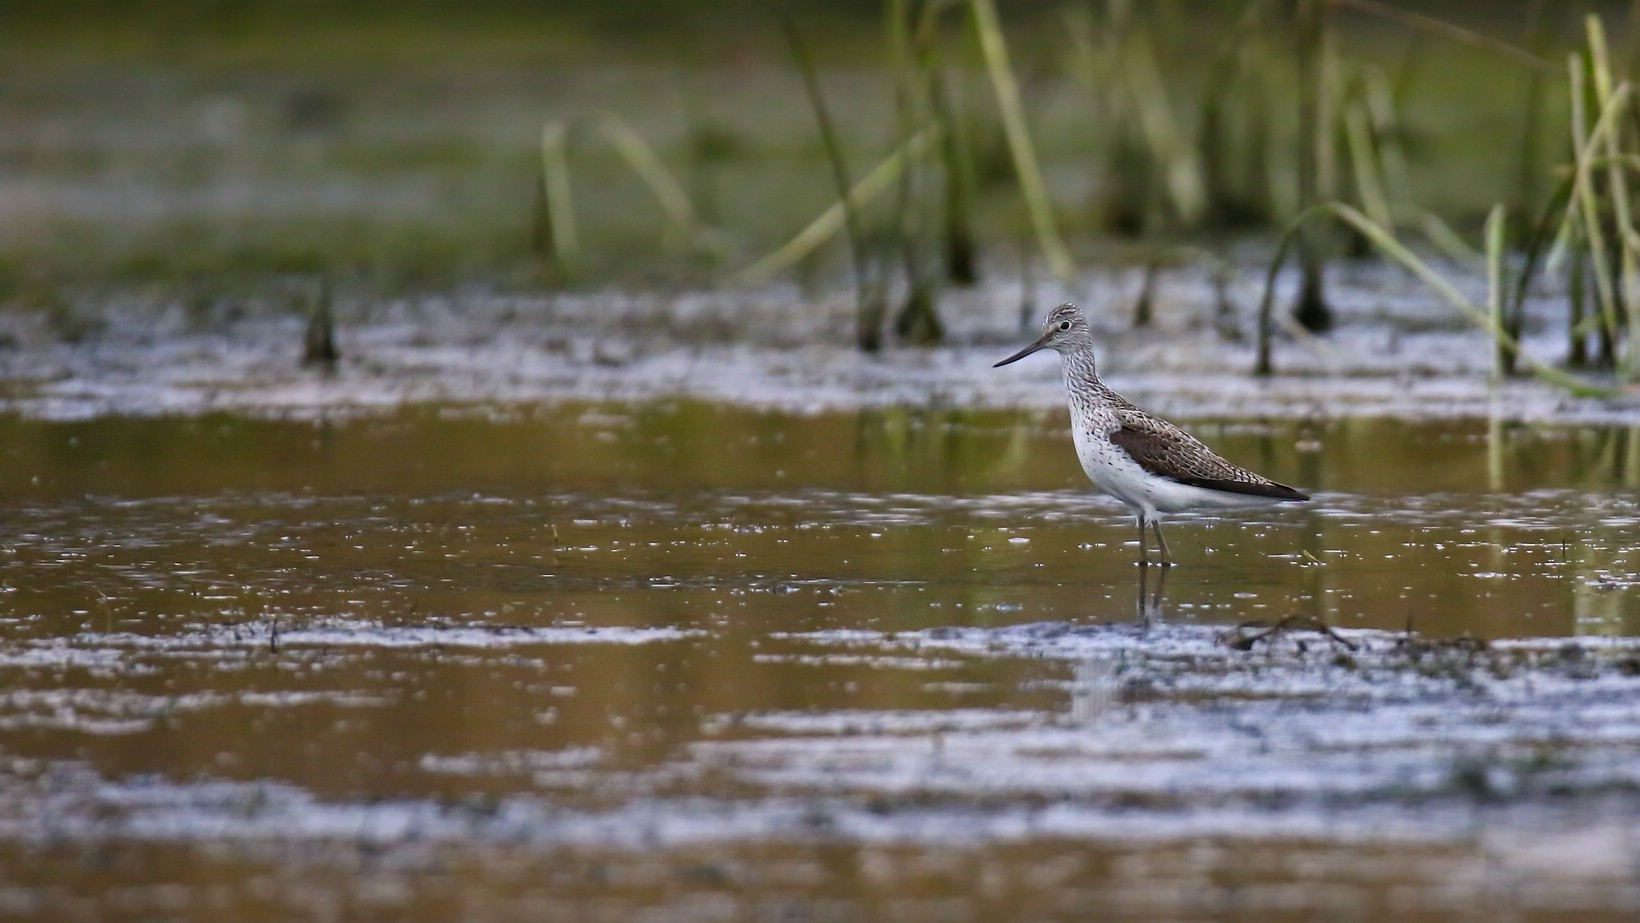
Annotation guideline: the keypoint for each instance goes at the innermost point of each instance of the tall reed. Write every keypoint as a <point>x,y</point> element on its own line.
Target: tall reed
<point>871,297</point>
<point>1234,126</point>
<point>1125,186</point>
<point>909,30</point>
<point>835,217</point>
<point>667,191</point>
<point>1314,158</point>
<point>994,49</point>
<point>556,234</point>
<point>1531,168</point>
<point>556,237</point>
<point>1385,241</point>
<point>1153,171</point>
<point>1597,221</point>
<point>960,247</point>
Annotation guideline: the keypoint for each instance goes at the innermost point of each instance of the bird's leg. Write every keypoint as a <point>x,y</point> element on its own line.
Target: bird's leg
<point>1140,610</point>
<point>1167,556</point>
<point>1144,552</point>
<point>1150,607</point>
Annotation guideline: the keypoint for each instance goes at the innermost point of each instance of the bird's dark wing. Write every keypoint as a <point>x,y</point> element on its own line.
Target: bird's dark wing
<point>1167,451</point>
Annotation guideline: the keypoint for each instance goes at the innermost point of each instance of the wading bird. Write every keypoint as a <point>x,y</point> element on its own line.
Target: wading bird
<point>1148,463</point>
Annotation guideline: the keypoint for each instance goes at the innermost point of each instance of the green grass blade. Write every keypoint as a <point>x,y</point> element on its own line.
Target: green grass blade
<point>643,160</point>
<point>1398,252</point>
<point>1503,348</point>
<point>1364,163</point>
<point>1587,203</point>
<point>870,303</point>
<point>1453,32</point>
<point>1031,186</point>
<point>835,216</point>
<point>560,206</point>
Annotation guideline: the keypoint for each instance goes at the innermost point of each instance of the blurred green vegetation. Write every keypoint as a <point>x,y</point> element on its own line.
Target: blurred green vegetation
<point>398,144</point>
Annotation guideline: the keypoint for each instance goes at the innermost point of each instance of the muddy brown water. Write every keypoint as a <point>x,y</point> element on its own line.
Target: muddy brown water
<point>675,660</point>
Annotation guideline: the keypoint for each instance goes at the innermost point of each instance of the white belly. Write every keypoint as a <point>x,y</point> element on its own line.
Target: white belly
<point>1112,471</point>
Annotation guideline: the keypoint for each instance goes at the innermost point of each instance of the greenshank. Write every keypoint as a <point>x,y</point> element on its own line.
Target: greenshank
<point>1146,462</point>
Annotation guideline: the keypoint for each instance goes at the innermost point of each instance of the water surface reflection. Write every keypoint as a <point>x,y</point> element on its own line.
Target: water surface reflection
<point>550,624</point>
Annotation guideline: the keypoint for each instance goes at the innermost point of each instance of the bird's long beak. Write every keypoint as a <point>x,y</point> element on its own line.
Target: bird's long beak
<point>1041,342</point>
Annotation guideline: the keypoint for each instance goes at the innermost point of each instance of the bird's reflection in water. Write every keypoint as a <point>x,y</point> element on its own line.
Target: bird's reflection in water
<point>1096,689</point>
<point>1102,681</point>
<point>1151,607</point>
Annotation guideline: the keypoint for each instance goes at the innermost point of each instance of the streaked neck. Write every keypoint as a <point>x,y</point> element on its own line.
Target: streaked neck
<point>1079,366</point>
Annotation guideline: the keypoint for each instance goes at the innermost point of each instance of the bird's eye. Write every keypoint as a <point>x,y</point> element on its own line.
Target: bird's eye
<point>1064,325</point>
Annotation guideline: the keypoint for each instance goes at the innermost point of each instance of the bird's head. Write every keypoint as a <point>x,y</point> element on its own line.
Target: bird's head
<point>1065,329</point>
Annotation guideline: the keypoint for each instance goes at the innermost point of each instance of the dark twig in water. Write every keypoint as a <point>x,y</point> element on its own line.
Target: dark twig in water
<point>1027,288</point>
<point>1244,636</point>
<point>319,338</point>
<point>1144,308</point>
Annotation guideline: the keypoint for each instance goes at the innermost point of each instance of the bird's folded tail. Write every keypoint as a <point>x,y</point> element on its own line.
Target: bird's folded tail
<point>1251,488</point>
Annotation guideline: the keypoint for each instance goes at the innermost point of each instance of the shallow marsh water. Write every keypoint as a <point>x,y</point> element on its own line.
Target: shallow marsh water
<point>437,651</point>
<point>687,661</point>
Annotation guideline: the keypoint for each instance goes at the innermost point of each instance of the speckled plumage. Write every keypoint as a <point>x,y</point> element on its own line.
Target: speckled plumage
<point>1149,464</point>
